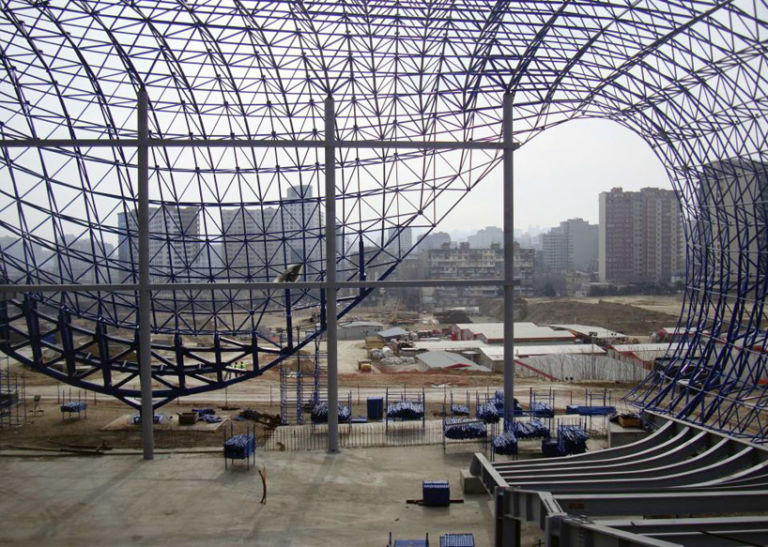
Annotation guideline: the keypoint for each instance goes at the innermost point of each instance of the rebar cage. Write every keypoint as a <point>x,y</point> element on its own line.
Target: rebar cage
<point>689,77</point>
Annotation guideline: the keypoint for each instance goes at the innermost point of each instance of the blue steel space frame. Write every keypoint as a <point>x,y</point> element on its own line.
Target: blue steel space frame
<point>690,78</point>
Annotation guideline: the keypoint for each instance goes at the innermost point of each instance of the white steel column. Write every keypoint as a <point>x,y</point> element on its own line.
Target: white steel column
<point>330,275</point>
<point>145,343</point>
<point>509,275</point>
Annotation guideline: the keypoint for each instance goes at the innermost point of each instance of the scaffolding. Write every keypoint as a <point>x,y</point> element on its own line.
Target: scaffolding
<point>13,403</point>
<point>295,400</point>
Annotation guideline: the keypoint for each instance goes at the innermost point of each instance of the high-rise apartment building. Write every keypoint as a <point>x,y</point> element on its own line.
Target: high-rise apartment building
<point>572,246</point>
<point>301,219</point>
<point>251,242</point>
<point>486,237</point>
<point>640,236</point>
<point>435,240</point>
<point>174,241</point>
<point>400,240</point>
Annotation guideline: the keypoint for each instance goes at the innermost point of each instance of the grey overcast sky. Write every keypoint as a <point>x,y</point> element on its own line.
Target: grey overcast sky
<point>559,175</point>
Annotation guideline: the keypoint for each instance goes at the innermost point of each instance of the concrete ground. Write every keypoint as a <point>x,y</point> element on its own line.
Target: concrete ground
<point>353,498</point>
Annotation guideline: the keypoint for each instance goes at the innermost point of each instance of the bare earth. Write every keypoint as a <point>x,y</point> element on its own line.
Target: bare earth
<point>636,316</point>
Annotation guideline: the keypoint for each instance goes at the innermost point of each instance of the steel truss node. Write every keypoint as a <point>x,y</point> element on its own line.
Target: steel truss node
<point>236,97</point>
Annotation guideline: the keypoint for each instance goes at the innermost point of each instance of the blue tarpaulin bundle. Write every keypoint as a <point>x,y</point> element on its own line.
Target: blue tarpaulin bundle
<point>572,439</point>
<point>405,410</point>
<point>597,410</point>
<point>156,418</point>
<point>530,430</point>
<point>320,413</point>
<point>488,413</point>
<point>506,443</point>
<point>239,447</point>
<point>498,401</point>
<point>210,418</point>
<point>74,406</point>
<point>458,429</point>
<point>204,411</point>
<point>542,410</point>
<point>460,410</point>
<point>590,410</point>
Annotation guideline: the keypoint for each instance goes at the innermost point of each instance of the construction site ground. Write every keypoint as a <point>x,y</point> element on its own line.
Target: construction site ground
<point>47,428</point>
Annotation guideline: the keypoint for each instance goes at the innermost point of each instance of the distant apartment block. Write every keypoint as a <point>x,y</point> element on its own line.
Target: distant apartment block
<point>251,243</point>
<point>465,262</point>
<point>174,241</point>
<point>399,240</point>
<point>486,237</point>
<point>572,246</point>
<point>434,240</point>
<point>640,236</point>
<point>301,219</point>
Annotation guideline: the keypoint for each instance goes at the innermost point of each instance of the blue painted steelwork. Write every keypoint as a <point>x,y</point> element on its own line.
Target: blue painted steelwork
<point>689,77</point>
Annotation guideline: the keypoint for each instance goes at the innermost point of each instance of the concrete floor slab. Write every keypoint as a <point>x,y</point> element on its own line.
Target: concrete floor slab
<point>352,498</point>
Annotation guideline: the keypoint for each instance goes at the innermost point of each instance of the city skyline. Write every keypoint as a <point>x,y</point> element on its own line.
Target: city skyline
<point>604,155</point>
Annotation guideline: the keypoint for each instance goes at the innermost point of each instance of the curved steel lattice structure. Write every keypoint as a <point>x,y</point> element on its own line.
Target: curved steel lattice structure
<point>689,77</point>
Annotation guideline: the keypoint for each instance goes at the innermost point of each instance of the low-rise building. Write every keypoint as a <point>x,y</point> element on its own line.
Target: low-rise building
<point>525,333</point>
<point>358,330</point>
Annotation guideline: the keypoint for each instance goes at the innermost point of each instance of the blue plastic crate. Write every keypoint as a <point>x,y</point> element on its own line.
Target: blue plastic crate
<point>375,408</point>
<point>457,540</point>
<point>436,493</point>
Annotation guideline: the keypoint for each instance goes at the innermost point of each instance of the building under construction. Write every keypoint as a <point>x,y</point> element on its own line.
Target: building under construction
<point>184,182</point>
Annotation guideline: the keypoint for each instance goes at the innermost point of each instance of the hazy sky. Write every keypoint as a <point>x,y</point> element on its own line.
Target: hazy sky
<point>559,175</point>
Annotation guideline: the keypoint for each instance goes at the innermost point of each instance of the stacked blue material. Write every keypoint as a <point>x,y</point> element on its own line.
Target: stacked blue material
<point>436,493</point>
<point>156,418</point>
<point>210,418</point>
<point>239,447</point>
<point>572,439</point>
<point>498,401</point>
<point>590,410</point>
<point>320,413</point>
<point>542,410</point>
<point>532,429</point>
<point>405,410</point>
<point>204,411</point>
<point>457,540</point>
<point>459,410</point>
<point>459,429</point>
<point>506,443</point>
<point>74,406</point>
<point>488,413</point>
<point>597,410</point>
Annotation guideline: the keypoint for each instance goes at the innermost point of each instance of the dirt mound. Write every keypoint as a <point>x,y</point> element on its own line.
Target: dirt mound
<point>630,320</point>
